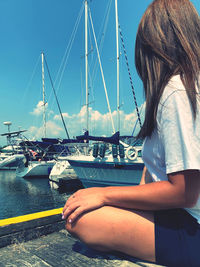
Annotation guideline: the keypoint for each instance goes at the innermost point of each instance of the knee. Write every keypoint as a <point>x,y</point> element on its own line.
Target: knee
<point>81,231</point>
<point>68,227</point>
<point>71,229</point>
<point>77,229</point>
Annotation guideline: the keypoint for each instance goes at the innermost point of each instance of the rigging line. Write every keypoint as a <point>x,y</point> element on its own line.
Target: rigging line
<point>101,34</point>
<point>89,74</point>
<point>56,98</point>
<point>67,51</point>
<point>90,41</point>
<point>36,121</point>
<point>132,87</point>
<point>101,37</point>
<point>90,85</point>
<point>113,127</point>
<point>134,128</point>
<point>32,75</point>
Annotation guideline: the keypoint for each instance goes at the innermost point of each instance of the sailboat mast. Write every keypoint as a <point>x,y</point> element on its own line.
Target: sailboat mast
<point>86,64</point>
<point>117,48</point>
<point>44,101</point>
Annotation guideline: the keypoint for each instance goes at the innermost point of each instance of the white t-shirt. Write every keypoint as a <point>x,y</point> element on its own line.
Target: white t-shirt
<point>175,144</point>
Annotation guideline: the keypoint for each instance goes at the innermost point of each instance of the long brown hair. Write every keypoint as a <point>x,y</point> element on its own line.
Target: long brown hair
<point>167,43</point>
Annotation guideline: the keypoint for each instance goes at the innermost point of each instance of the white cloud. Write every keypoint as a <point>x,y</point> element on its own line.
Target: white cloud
<point>99,124</point>
<point>65,115</point>
<point>96,115</point>
<point>82,112</point>
<point>39,109</point>
<point>52,130</point>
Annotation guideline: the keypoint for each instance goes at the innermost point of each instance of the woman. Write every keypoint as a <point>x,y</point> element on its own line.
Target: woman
<point>158,220</point>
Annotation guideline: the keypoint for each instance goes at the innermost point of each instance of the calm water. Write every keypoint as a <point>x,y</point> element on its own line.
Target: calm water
<point>20,196</point>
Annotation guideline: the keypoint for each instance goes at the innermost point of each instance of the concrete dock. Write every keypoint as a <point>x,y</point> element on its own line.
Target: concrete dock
<point>40,240</point>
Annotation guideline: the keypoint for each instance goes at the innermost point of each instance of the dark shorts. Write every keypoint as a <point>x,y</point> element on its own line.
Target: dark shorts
<point>177,238</point>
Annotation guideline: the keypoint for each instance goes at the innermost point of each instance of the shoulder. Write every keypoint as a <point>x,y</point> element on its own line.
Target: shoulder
<point>174,106</point>
<point>174,100</point>
<point>173,90</point>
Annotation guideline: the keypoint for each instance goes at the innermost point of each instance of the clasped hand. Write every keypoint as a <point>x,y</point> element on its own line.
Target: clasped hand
<point>82,201</point>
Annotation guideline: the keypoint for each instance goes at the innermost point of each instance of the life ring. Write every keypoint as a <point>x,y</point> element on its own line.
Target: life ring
<point>131,153</point>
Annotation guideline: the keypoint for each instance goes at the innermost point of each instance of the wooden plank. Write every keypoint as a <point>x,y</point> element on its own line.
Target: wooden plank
<point>24,231</point>
<point>51,245</point>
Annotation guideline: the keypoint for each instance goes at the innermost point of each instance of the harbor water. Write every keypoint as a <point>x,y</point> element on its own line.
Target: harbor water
<point>19,196</point>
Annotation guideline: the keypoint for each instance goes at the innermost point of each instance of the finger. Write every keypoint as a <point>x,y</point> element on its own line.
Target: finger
<point>74,215</point>
<point>69,201</point>
<point>70,209</point>
<point>65,207</point>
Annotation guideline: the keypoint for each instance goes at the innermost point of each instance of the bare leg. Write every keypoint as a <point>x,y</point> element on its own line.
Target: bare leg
<point>116,229</point>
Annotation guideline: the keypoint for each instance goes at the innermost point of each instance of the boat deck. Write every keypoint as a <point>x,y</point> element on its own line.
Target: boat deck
<point>41,240</point>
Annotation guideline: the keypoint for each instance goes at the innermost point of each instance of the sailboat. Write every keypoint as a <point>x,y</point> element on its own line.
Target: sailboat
<point>37,163</point>
<point>119,164</point>
<point>41,156</point>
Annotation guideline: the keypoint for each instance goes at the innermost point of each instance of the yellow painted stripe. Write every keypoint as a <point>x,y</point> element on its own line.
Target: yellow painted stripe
<point>30,217</point>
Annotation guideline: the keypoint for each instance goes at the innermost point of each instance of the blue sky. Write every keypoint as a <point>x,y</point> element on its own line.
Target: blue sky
<point>28,27</point>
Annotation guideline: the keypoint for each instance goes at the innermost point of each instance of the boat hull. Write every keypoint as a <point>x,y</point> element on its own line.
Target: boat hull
<point>35,169</point>
<point>62,169</point>
<point>11,162</point>
<point>60,173</point>
<point>99,172</point>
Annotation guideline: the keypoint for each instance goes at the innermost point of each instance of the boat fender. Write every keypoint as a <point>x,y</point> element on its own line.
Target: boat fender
<point>121,151</point>
<point>102,150</point>
<point>95,150</point>
<point>131,153</point>
<point>114,151</point>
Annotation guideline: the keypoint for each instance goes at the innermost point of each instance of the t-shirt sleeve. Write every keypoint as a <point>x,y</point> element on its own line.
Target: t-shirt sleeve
<point>179,132</point>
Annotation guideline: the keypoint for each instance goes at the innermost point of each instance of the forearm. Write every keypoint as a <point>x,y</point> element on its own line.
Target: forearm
<point>152,196</point>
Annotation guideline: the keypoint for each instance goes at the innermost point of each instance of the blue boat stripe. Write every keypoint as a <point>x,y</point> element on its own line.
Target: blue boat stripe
<point>99,183</point>
<point>107,165</point>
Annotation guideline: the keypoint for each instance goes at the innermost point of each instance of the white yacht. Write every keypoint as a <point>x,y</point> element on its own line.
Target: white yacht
<point>35,168</point>
<point>12,153</point>
<point>114,168</point>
